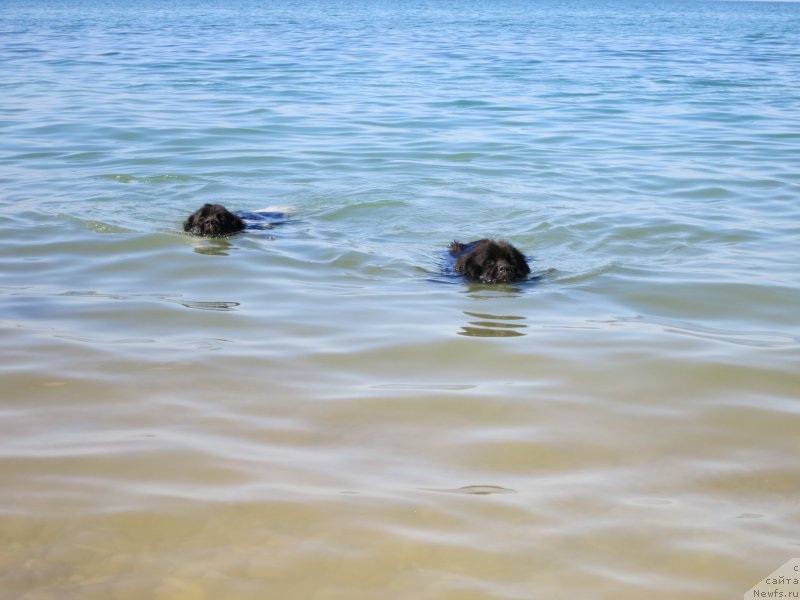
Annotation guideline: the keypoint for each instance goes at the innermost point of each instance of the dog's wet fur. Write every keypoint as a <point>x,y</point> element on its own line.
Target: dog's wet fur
<point>489,261</point>
<point>213,220</point>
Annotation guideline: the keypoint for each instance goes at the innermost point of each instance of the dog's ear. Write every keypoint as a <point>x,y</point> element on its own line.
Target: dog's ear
<point>521,261</point>
<point>456,248</point>
<point>473,266</point>
<point>190,222</point>
<point>195,217</point>
<point>232,222</point>
<point>475,269</point>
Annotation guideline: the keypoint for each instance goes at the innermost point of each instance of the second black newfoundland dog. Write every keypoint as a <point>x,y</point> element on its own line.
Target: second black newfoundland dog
<point>214,220</point>
<point>489,261</point>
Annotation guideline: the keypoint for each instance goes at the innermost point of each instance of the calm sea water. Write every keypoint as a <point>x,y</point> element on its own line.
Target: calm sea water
<point>314,411</point>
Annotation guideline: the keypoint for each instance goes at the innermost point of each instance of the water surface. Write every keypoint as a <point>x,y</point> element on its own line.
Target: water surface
<point>315,410</point>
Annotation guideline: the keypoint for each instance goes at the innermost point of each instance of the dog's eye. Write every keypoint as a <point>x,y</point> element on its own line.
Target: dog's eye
<point>489,263</point>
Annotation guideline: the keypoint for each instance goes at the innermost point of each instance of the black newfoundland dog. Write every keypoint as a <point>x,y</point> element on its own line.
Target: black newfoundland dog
<point>489,261</point>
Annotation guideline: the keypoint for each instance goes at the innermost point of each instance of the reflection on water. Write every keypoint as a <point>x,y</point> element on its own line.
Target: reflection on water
<point>212,246</point>
<point>482,291</point>
<point>487,325</point>
<point>482,324</point>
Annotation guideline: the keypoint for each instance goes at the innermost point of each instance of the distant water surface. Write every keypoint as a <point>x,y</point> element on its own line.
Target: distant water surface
<point>315,410</point>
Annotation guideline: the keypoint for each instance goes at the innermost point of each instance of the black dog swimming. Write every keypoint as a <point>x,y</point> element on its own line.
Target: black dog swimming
<point>214,220</point>
<point>489,261</point>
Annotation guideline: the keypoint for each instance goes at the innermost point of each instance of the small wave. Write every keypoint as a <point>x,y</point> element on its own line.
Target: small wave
<point>704,193</point>
<point>755,339</point>
<point>216,306</point>
<point>460,104</point>
<point>447,387</point>
<point>127,178</point>
<point>475,490</point>
<point>208,343</point>
<point>104,341</point>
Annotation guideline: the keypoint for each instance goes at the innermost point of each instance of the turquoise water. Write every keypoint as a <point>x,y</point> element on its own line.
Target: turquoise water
<point>314,410</point>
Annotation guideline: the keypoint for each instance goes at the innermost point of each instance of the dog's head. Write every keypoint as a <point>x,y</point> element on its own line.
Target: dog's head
<point>490,261</point>
<point>211,220</point>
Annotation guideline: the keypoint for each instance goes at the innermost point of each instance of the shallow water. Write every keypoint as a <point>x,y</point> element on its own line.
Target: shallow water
<point>316,410</point>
